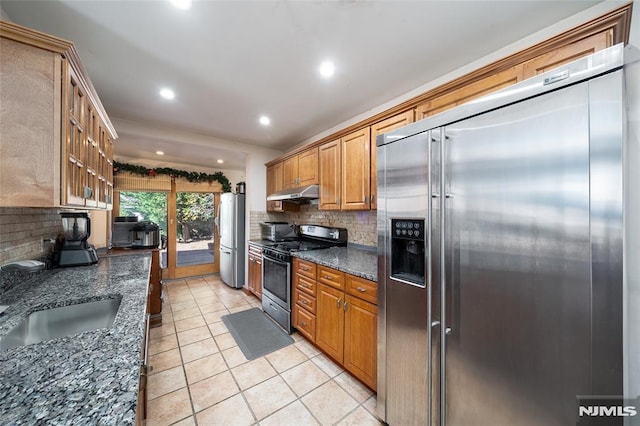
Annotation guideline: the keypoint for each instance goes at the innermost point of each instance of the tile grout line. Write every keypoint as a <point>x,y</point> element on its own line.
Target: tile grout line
<point>307,358</point>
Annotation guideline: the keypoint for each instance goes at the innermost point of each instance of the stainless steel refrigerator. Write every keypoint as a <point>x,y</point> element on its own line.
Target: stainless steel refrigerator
<point>500,254</point>
<point>231,229</point>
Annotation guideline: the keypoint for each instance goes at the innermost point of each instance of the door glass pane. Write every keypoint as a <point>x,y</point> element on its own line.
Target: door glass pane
<point>194,216</point>
<point>150,206</point>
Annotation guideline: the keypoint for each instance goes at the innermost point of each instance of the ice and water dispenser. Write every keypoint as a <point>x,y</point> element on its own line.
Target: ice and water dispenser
<point>408,250</point>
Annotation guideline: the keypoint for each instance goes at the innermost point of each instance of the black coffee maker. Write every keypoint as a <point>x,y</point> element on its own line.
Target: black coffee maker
<point>72,248</point>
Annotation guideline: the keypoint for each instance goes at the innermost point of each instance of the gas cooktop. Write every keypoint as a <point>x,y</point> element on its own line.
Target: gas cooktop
<point>299,245</point>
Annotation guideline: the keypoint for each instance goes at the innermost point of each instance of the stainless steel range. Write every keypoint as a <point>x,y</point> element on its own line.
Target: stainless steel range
<point>276,267</point>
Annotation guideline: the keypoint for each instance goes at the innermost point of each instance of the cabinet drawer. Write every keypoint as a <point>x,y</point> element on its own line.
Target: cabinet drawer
<point>331,277</point>
<point>364,289</point>
<point>305,323</point>
<point>255,250</point>
<point>304,284</point>
<point>306,268</point>
<point>305,301</point>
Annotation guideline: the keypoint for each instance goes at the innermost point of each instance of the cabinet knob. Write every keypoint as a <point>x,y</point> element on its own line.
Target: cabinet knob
<point>302,323</point>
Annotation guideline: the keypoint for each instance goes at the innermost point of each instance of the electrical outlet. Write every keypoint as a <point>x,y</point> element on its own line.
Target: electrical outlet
<point>47,245</point>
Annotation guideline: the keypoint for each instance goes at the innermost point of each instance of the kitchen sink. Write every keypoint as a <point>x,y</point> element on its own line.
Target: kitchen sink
<point>54,323</point>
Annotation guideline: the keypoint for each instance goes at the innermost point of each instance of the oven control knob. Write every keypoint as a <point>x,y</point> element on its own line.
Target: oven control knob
<point>416,232</point>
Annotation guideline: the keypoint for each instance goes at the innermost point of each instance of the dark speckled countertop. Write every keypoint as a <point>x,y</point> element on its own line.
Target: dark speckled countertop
<point>88,378</point>
<point>353,259</point>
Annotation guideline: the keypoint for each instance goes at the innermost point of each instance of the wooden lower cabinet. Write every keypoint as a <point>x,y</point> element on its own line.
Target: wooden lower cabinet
<point>254,277</point>
<point>305,322</point>
<point>330,321</point>
<point>339,314</point>
<point>360,340</point>
<point>304,298</point>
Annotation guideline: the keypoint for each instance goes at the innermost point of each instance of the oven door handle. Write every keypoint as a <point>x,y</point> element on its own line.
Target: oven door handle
<point>271,259</point>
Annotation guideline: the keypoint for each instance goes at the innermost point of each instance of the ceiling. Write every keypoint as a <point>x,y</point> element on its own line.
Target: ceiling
<point>230,62</point>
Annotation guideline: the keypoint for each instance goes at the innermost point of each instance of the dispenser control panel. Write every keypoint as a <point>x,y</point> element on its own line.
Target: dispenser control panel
<point>408,250</point>
<point>408,228</point>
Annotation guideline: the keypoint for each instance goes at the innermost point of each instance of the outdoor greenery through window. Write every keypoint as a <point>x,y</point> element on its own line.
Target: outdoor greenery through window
<point>146,206</point>
<point>194,213</point>
<point>196,239</point>
<point>195,243</point>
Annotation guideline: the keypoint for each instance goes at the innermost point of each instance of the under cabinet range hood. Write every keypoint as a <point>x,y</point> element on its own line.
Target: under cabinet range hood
<point>310,192</point>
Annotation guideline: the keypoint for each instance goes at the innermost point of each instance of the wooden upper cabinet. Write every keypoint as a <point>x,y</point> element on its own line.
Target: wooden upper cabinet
<point>356,169</point>
<point>74,176</point>
<point>274,184</point>
<point>301,169</point>
<point>379,128</point>
<point>469,92</point>
<point>290,172</point>
<point>53,161</point>
<point>515,74</point>
<point>568,53</point>
<point>308,167</point>
<point>330,175</point>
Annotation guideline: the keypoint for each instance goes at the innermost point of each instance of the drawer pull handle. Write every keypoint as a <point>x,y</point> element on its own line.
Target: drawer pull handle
<point>361,289</point>
<point>304,302</point>
<point>304,268</point>
<point>328,277</point>
<point>305,286</point>
<point>302,323</point>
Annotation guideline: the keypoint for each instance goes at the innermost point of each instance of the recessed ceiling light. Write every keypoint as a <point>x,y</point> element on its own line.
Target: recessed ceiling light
<point>167,93</point>
<point>160,152</point>
<point>265,121</point>
<point>327,69</point>
<point>182,4</point>
<point>220,161</point>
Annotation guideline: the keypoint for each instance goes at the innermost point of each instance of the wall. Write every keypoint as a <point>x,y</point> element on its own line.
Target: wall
<point>22,231</point>
<point>360,224</point>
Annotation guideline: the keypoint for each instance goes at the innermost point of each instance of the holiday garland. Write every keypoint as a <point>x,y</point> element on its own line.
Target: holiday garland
<point>190,176</point>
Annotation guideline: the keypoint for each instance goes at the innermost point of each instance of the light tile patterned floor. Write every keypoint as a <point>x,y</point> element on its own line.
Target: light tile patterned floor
<point>200,376</point>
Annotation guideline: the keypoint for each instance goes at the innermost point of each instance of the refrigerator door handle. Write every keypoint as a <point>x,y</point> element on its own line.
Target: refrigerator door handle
<point>429,271</point>
<point>216,221</point>
<point>443,282</point>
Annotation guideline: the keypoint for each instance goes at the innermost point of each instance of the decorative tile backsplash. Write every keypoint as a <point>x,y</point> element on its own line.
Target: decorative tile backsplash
<point>360,224</point>
<point>22,231</point>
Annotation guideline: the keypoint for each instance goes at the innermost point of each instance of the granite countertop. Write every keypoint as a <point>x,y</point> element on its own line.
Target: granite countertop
<point>260,242</point>
<point>355,260</point>
<point>88,378</point>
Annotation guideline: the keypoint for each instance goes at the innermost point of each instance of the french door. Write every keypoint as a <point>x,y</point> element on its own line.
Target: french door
<point>190,243</point>
<point>193,243</point>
